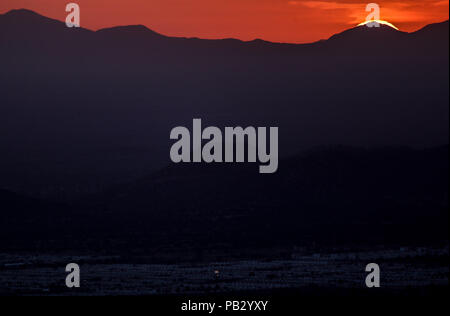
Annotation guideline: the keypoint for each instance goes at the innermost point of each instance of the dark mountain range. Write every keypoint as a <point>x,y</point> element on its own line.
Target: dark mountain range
<point>82,110</point>
<point>337,195</point>
<point>85,174</point>
<point>326,191</point>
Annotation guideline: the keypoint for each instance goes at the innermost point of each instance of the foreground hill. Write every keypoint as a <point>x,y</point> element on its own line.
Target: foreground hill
<point>340,192</point>
<point>335,196</point>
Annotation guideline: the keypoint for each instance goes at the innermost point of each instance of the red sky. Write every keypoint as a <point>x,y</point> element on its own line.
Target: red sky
<point>295,21</point>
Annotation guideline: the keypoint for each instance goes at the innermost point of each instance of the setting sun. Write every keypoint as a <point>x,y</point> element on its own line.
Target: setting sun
<point>380,22</point>
<point>292,21</point>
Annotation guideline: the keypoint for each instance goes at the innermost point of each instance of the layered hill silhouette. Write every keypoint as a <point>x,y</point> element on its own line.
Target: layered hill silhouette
<point>330,196</point>
<point>82,110</point>
<point>85,119</point>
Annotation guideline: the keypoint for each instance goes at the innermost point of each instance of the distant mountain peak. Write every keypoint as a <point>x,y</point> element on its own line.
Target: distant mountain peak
<point>23,12</point>
<point>435,27</point>
<point>380,22</point>
<point>137,29</point>
<point>365,34</point>
<point>365,28</point>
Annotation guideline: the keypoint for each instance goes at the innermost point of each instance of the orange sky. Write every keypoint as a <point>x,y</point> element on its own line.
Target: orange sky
<point>274,20</point>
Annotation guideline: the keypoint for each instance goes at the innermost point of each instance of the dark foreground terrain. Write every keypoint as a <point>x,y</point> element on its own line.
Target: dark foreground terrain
<point>404,271</point>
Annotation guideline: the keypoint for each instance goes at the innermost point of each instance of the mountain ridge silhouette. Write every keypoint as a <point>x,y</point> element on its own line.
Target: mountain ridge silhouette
<point>82,111</point>
<point>75,98</point>
<point>34,17</point>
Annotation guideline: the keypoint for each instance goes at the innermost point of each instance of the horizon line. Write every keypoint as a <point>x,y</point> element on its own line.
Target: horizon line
<point>222,38</point>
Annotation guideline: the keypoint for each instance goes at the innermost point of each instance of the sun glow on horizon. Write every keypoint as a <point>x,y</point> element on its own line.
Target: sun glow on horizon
<point>380,22</point>
<point>286,21</point>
